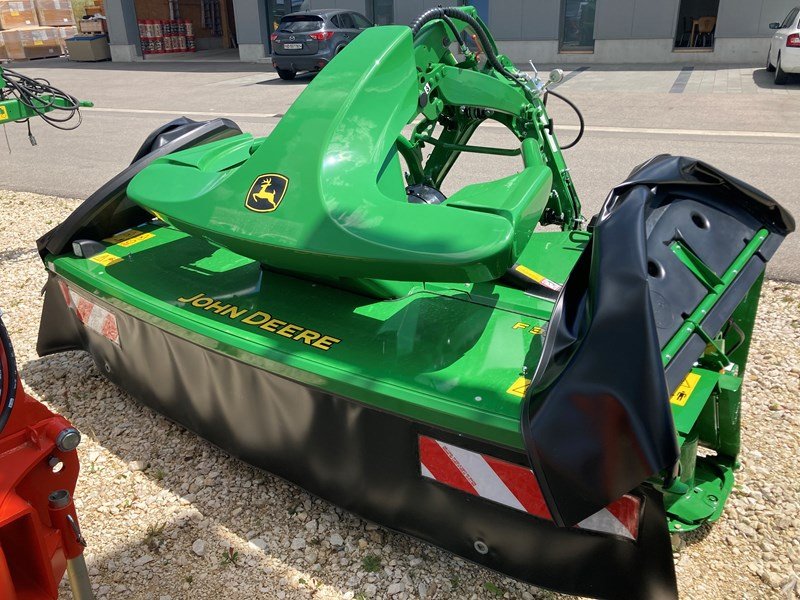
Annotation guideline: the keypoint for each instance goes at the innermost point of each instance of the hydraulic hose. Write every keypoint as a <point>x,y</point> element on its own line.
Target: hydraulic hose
<point>39,96</point>
<point>448,13</point>
<point>454,13</point>
<point>8,376</point>
<point>582,127</point>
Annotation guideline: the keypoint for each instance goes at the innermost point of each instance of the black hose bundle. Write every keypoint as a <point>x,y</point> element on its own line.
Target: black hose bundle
<point>448,13</point>
<point>8,376</point>
<point>40,97</point>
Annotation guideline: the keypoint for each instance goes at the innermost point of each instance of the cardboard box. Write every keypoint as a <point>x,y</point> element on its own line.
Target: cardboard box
<point>64,33</point>
<point>55,13</point>
<point>33,42</point>
<point>88,48</point>
<point>12,44</point>
<point>17,13</point>
<point>3,51</point>
<point>94,25</point>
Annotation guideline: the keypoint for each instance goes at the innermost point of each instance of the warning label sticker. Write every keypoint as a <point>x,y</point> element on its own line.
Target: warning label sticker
<point>105,259</point>
<point>519,387</point>
<point>129,238</point>
<point>681,395</point>
<point>3,113</point>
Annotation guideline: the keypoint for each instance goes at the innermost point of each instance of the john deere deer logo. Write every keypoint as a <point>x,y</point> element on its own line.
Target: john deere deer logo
<point>266,193</point>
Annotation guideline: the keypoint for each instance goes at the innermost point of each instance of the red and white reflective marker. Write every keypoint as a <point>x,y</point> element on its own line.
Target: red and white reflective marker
<point>515,486</point>
<point>94,316</point>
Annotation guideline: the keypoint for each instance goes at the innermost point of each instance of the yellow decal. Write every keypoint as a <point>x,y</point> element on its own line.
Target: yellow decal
<point>105,259</point>
<point>538,278</point>
<point>122,236</point>
<point>136,240</point>
<point>519,387</point>
<point>129,238</point>
<point>684,390</point>
<point>263,320</point>
<point>529,273</point>
<point>3,113</point>
<point>266,193</point>
<point>535,330</point>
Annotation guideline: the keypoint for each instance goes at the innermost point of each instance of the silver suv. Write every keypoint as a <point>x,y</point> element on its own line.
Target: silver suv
<point>307,41</point>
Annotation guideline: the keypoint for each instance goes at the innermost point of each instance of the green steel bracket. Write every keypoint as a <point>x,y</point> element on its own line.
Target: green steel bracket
<point>464,148</point>
<point>693,323</point>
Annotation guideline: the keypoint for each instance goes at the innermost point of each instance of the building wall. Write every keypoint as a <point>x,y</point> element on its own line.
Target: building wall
<point>635,19</point>
<point>750,18</point>
<point>635,31</point>
<point>524,19</point>
<point>406,11</point>
<point>630,19</point>
<point>356,5</point>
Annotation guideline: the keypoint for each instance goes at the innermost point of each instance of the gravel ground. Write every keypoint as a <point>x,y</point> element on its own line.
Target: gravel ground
<point>168,516</point>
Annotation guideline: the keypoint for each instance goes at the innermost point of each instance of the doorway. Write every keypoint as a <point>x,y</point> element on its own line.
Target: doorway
<point>697,25</point>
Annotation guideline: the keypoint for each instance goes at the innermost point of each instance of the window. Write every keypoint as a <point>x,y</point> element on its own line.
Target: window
<point>347,21</point>
<point>382,11</point>
<point>360,21</point>
<point>300,24</point>
<point>789,20</point>
<point>577,25</point>
<point>336,22</point>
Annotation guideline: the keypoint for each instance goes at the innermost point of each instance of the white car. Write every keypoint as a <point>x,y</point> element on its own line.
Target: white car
<point>784,49</point>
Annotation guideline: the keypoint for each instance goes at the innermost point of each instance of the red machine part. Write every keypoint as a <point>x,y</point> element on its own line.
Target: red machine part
<point>38,470</point>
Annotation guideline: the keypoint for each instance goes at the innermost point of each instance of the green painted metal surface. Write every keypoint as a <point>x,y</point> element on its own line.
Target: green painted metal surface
<point>375,299</point>
<point>341,207</point>
<point>446,355</point>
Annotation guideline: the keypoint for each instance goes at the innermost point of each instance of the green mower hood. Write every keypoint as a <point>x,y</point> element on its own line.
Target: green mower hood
<point>324,193</point>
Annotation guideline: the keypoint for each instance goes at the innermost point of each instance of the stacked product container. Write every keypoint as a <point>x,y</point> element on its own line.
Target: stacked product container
<point>165,36</point>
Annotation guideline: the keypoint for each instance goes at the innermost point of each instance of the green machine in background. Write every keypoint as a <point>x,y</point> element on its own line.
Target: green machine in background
<point>23,98</point>
<point>485,371</point>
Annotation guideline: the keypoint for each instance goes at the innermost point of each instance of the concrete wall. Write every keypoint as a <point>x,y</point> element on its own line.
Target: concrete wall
<point>251,28</point>
<point>123,31</point>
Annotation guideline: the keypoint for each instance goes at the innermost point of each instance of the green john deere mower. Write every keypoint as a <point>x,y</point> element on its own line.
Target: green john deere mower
<point>485,371</point>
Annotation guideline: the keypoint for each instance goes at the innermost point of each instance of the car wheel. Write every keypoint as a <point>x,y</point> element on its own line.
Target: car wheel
<point>781,76</point>
<point>339,49</point>
<point>286,74</point>
<point>769,67</point>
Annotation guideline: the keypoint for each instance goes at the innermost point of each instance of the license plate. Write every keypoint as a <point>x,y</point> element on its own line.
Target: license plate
<point>293,46</point>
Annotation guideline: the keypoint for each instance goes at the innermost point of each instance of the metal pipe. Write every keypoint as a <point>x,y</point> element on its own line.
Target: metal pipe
<point>79,582</point>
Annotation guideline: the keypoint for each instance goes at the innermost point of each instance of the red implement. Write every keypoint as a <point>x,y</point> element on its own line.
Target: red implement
<point>39,534</point>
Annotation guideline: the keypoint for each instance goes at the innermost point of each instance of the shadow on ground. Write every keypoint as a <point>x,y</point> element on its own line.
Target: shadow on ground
<point>764,79</point>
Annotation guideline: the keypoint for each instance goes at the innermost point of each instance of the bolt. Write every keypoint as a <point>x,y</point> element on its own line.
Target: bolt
<point>478,398</point>
<point>68,439</point>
